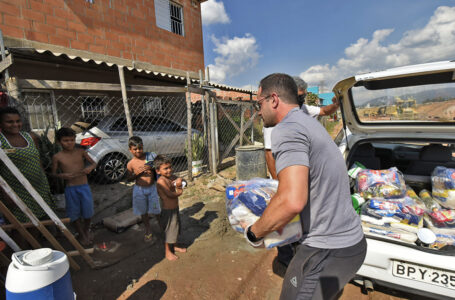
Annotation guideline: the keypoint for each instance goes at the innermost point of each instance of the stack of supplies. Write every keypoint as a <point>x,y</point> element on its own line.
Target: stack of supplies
<point>390,209</point>
<point>246,202</point>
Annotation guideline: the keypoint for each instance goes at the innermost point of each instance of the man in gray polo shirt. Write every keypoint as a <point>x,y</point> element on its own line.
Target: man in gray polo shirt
<point>313,182</point>
<point>285,253</point>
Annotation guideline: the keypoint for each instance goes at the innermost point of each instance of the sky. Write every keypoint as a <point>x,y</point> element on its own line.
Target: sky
<point>323,42</point>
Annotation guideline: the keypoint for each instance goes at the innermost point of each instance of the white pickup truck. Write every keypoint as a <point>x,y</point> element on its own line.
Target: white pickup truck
<point>404,118</point>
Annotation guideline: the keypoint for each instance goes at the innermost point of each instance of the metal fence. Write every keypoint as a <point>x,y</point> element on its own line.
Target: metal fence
<point>101,126</point>
<point>161,121</point>
<point>235,120</point>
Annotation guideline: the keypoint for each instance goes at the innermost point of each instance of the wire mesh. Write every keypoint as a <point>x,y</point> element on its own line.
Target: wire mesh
<point>100,123</point>
<point>229,125</point>
<point>101,126</point>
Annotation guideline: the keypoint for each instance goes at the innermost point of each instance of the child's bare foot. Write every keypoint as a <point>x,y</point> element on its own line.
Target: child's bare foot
<point>171,256</point>
<point>181,250</point>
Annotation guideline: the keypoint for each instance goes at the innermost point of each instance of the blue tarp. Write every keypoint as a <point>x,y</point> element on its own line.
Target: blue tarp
<point>326,98</point>
<point>313,89</point>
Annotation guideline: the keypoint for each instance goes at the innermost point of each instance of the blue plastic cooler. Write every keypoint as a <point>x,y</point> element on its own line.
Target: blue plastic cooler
<point>41,274</point>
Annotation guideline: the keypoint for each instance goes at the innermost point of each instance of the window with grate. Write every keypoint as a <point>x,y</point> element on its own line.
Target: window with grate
<point>93,109</point>
<point>169,16</point>
<point>153,105</point>
<point>40,110</point>
<point>176,18</point>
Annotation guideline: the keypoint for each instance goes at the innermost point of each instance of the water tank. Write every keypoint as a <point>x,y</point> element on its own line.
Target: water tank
<point>250,162</point>
<point>41,274</point>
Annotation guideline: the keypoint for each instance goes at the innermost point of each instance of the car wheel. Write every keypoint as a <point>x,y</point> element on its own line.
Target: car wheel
<point>112,167</point>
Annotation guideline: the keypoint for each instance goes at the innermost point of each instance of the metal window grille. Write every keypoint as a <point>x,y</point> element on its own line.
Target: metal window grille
<point>176,18</point>
<point>39,110</point>
<point>93,108</point>
<point>153,105</point>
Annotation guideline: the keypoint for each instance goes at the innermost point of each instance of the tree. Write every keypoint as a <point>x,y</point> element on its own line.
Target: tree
<point>311,99</point>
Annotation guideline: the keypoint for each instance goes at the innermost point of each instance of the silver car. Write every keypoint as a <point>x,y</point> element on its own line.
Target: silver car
<point>107,143</point>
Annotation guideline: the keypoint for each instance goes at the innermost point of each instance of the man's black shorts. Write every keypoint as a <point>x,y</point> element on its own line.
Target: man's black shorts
<point>321,273</point>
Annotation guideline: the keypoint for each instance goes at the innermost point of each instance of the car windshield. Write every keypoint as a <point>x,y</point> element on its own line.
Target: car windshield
<point>384,100</point>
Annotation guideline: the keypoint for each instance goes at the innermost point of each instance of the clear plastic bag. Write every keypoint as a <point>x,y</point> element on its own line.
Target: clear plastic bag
<point>389,232</point>
<point>443,240</point>
<point>427,199</point>
<point>443,184</point>
<point>397,213</point>
<point>442,218</point>
<point>249,203</point>
<point>381,184</point>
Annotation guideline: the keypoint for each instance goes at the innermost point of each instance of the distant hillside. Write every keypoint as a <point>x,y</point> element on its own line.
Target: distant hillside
<point>420,97</point>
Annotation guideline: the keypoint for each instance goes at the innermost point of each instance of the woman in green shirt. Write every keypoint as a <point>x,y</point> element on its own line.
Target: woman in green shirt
<point>22,148</point>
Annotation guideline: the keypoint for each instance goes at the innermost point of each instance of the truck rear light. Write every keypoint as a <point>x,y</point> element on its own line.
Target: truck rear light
<point>90,142</point>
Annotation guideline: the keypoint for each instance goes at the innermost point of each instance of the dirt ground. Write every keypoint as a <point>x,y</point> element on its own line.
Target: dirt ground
<point>219,263</point>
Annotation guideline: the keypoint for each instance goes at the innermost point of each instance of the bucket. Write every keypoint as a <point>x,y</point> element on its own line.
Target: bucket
<point>196,167</point>
<point>41,274</point>
<point>250,162</point>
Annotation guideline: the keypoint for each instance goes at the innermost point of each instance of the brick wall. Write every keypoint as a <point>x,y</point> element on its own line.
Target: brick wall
<point>231,95</point>
<point>120,28</point>
<point>227,95</point>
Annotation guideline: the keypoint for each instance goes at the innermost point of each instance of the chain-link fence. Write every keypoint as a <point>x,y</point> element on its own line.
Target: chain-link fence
<point>101,125</point>
<point>102,128</point>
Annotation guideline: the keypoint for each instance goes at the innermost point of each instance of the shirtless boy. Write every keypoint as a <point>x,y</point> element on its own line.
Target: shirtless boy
<point>145,196</point>
<point>169,188</point>
<point>79,201</point>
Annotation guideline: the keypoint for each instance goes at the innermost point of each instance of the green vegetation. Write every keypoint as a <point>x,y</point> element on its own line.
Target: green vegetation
<point>197,146</point>
<point>329,124</point>
<point>312,99</point>
<point>47,149</point>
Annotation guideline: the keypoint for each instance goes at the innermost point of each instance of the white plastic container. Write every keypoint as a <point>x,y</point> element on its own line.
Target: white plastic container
<point>41,274</point>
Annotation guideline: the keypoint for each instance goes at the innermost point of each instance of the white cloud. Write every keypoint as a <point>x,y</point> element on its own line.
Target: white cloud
<point>214,12</point>
<point>236,55</point>
<point>249,87</point>
<point>434,42</point>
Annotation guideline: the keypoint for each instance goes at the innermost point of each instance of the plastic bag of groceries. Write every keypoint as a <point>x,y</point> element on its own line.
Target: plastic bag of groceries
<point>428,200</point>
<point>247,200</point>
<point>410,193</point>
<point>381,183</point>
<point>249,204</point>
<point>435,215</point>
<point>443,184</point>
<point>441,218</point>
<point>443,240</point>
<point>401,214</point>
<point>389,232</point>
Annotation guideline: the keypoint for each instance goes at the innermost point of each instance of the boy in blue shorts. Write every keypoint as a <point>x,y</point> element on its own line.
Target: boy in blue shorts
<point>145,196</point>
<point>79,201</point>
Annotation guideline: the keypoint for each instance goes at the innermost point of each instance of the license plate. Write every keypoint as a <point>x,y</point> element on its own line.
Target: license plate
<point>424,274</point>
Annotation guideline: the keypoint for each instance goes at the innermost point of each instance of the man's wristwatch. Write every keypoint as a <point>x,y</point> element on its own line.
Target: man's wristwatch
<point>251,237</point>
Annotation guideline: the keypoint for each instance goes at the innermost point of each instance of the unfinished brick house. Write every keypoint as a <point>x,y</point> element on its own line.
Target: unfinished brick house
<point>124,66</point>
<point>148,33</point>
<point>68,44</point>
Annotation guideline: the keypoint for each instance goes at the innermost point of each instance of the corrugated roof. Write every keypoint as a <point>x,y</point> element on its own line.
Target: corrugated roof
<point>109,64</point>
<point>133,68</point>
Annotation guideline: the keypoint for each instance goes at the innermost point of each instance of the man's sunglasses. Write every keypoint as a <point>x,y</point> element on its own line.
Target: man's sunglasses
<point>257,105</point>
